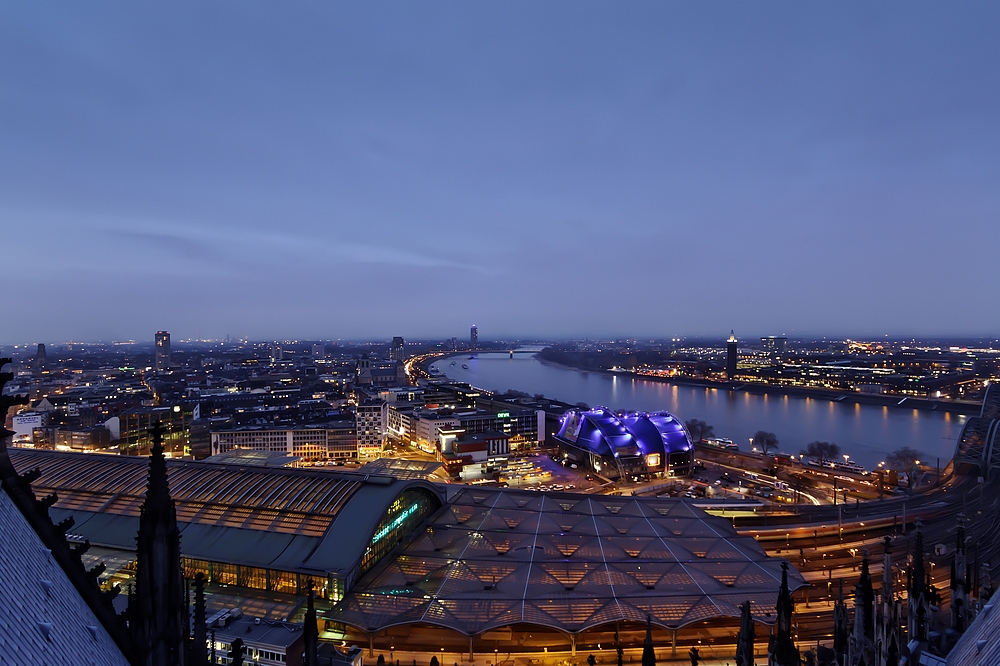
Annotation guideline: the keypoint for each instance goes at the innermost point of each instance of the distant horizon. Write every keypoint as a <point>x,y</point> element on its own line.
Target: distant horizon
<point>526,339</point>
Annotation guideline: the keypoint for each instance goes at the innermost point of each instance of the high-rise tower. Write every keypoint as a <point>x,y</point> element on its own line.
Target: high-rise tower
<point>731,356</point>
<point>162,351</point>
<point>474,337</point>
<point>41,358</point>
<point>396,349</point>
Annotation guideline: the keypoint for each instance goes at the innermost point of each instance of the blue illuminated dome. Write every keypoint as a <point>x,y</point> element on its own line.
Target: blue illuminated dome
<point>626,443</point>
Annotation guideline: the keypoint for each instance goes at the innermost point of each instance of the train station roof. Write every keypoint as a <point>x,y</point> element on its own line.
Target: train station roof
<point>495,557</point>
<point>302,520</point>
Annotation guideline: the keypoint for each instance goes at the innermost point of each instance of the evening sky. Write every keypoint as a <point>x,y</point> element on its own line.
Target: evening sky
<point>363,170</point>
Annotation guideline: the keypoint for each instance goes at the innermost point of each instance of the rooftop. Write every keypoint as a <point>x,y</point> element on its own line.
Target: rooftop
<point>304,520</point>
<point>495,557</point>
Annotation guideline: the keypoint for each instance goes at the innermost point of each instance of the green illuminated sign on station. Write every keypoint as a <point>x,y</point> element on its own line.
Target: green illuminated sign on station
<point>396,522</point>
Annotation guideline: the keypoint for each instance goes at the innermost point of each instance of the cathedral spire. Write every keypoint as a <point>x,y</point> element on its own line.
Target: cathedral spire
<point>648,653</point>
<point>888,638</point>
<point>745,637</point>
<point>861,646</point>
<point>888,589</point>
<point>785,652</point>
<point>918,597</point>
<point>160,621</point>
<point>840,644</point>
<point>961,603</point>
<point>311,633</point>
<point>199,641</point>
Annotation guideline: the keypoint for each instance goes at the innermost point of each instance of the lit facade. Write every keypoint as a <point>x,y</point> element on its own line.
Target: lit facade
<point>370,420</point>
<point>626,444</point>
<point>162,351</point>
<point>311,443</point>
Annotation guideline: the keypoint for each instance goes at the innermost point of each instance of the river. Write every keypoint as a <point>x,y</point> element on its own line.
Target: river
<point>867,433</point>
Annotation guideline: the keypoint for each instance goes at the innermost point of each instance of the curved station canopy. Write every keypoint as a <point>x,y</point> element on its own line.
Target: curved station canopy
<point>606,433</point>
<point>493,557</point>
<point>309,524</point>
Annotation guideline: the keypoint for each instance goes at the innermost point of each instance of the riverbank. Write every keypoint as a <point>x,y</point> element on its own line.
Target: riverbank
<point>846,397</point>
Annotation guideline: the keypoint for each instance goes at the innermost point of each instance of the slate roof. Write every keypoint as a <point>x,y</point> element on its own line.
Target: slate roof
<point>45,621</point>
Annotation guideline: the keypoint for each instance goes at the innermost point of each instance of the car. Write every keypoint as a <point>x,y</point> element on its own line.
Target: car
<point>718,482</point>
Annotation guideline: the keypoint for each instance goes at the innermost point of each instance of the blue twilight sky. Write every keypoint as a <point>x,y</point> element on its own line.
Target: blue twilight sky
<point>537,168</point>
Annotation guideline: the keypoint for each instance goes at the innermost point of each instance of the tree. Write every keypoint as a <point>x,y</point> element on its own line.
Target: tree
<point>765,441</point>
<point>904,459</point>
<point>822,451</point>
<point>699,430</point>
<point>584,406</point>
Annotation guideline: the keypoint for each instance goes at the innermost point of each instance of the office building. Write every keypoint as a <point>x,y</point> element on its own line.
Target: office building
<point>135,425</point>
<point>266,641</point>
<point>731,356</point>
<point>473,455</point>
<point>774,345</point>
<point>371,427</point>
<point>162,351</point>
<point>474,337</point>
<point>310,443</point>
<point>396,349</point>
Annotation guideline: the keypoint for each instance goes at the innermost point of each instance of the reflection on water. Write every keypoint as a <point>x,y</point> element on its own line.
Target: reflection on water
<point>866,432</point>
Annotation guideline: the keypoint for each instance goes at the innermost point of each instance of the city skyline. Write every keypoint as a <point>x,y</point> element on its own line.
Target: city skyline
<point>316,171</point>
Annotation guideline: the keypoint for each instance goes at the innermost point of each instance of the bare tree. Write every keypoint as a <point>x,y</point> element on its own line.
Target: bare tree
<point>699,430</point>
<point>904,459</point>
<point>822,451</point>
<point>765,441</point>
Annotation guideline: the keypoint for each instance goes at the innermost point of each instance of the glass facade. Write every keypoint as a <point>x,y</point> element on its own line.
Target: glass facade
<point>404,514</point>
<point>258,578</point>
<point>136,423</point>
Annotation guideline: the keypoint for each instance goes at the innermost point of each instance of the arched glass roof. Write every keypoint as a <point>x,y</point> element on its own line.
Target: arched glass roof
<point>494,557</point>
